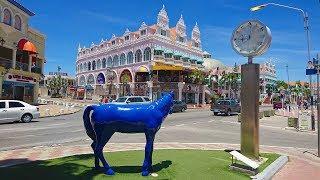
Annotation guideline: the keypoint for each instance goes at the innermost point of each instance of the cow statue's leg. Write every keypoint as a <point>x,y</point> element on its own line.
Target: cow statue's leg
<point>147,164</point>
<point>96,158</point>
<point>103,136</point>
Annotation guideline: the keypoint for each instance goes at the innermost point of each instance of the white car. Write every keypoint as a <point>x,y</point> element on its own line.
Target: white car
<point>132,100</point>
<point>13,110</point>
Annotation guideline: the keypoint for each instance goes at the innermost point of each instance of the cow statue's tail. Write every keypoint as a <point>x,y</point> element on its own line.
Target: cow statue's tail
<point>87,122</point>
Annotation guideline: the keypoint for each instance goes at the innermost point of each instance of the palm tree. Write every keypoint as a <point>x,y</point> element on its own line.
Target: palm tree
<point>231,80</point>
<point>281,85</point>
<point>57,84</point>
<point>197,76</point>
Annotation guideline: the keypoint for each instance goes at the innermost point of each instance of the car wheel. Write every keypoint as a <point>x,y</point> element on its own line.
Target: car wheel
<point>26,118</point>
<point>215,113</point>
<point>183,109</point>
<point>228,112</point>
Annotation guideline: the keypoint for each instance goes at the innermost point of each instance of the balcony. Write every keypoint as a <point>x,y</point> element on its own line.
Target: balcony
<point>5,63</point>
<point>22,66</point>
<point>169,61</point>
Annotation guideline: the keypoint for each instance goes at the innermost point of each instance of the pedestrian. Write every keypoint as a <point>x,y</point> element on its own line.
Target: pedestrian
<point>105,99</point>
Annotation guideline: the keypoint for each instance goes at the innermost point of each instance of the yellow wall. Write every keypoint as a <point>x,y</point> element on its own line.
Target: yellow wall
<point>12,35</point>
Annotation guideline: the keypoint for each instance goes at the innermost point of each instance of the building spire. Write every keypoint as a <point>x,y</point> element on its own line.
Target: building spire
<point>143,25</point>
<point>181,27</point>
<point>163,20</point>
<point>79,47</point>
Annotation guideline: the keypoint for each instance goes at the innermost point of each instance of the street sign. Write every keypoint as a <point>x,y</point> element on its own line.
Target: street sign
<point>311,69</point>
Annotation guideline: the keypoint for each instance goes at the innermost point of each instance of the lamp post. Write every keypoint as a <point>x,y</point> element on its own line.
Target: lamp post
<point>306,28</point>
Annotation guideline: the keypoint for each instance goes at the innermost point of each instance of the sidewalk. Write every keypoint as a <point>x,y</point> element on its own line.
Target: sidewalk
<point>302,164</point>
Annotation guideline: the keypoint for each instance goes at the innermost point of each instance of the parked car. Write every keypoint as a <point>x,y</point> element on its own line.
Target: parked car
<point>131,100</point>
<point>13,110</point>
<point>179,106</point>
<point>225,106</point>
<point>278,105</point>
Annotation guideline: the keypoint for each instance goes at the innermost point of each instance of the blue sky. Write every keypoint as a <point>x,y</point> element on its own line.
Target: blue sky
<point>68,23</point>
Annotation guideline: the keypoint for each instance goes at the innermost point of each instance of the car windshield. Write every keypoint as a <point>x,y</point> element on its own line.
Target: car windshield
<point>122,99</point>
<point>222,102</point>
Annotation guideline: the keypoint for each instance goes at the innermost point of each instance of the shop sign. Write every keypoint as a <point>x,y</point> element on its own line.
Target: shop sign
<point>20,78</point>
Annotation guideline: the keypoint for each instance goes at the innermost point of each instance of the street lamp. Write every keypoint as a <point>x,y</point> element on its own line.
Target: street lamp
<point>306,28</point>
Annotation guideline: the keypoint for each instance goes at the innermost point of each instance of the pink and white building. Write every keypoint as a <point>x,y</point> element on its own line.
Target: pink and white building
<point>148,61</point>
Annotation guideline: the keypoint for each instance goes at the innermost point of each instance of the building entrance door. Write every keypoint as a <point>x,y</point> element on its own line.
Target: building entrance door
<point>18,93</point>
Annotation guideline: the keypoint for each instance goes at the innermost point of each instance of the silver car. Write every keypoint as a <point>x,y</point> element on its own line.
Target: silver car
<point>13,110</point>
<point>132,100</point>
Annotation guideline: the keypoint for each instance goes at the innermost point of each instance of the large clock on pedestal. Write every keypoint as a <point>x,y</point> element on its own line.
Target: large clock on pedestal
<point>251,39</point>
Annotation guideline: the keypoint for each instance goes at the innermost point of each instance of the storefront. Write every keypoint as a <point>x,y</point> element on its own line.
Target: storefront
<point>80,92</point>
<point>19,87</point>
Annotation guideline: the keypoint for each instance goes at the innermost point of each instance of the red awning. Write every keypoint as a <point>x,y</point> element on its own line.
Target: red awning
<point>26,45</point>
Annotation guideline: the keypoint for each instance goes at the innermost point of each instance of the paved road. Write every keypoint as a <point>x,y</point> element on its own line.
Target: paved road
<point>192,126</point>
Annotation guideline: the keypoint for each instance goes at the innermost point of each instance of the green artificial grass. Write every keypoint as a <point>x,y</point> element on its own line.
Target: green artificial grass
<point>168,164</point>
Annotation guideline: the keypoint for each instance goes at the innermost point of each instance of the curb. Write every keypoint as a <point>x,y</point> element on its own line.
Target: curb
<point>60,114</point>
<point>272,169</point>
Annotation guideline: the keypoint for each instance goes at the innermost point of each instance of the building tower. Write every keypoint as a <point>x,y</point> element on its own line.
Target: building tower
<point>195,36</point>
<point>181,30</point>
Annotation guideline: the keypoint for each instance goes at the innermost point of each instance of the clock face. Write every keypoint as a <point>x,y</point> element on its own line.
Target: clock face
<point>251,39</point>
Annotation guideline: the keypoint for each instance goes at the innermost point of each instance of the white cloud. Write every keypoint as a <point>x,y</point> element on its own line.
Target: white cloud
<point>109,19</point>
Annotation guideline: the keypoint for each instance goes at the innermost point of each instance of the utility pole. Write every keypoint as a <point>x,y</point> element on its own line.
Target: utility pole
<point>287,73</point>
<point>288,83</point>
<point>318,102</point>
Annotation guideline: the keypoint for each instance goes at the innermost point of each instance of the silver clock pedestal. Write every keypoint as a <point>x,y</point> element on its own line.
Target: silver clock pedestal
<point>250,110</point>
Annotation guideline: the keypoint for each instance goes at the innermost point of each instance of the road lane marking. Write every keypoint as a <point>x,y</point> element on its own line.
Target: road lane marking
<point>39,128</point>
<point>211,121</point>
<point>179,125</point>
<point>37,135</point>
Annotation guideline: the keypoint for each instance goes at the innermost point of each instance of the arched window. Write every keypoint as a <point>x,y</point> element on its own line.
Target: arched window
<point>17,22</point>
<point>101,79</point>
<point>89,66</point>
<point>116,60</point>
<point>104,63</point>
<point>94,65</point>
<point>138,56</point>
<point>130,58</point>
<point>85,67</point>
<point>90,79</point>
<point>99,64</point>
<point>122,59</point>
<point>82,80</point>
<point>7,18</point>
<point>109,62</point>
<point>81,67</point>
<point>147,54</point>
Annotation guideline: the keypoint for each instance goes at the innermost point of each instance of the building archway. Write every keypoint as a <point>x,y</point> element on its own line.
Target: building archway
<point>125,79</point>
<point>101,79</point>
<point>142,74</point>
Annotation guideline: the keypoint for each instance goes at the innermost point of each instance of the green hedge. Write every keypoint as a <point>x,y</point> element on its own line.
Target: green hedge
<point>292,122</point>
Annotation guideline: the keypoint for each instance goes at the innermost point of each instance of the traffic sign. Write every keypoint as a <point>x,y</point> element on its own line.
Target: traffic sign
<point>311,71</point>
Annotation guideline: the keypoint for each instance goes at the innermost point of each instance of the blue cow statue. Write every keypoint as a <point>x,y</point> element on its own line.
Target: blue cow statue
<point>126,118</point>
